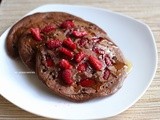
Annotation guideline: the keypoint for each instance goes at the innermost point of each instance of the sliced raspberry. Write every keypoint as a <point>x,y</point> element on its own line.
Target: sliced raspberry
<point>82,42</point>
<point>67,76</point>
<point>98,50</point>
<point>49,62</point>
<point>48,29</point>
<point>67,24</point>
<point>99,39</point>
<point>53,44</point>
<point>95,63</point>
<point>65,64</point>
<point>36,33</point>
<point>87,83</point>
<point>107,60</point>
<point>79,33</point>
<point>69,43</point>
<point>79,57</point>
<point>106,74</point>
<point>66,52</point>
<point>82,67</point>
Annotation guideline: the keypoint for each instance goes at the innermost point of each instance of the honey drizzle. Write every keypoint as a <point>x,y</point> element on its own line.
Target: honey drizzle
<point>129,66</point>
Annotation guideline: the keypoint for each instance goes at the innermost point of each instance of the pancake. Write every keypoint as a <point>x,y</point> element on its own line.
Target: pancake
<point>52,26</point>
<point>73,57</point>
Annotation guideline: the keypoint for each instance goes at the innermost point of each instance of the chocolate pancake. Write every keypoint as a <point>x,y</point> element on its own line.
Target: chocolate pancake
<point>55,25</point>
<point>34,20</point>
<point>73,57</point>
<point>86,75</point>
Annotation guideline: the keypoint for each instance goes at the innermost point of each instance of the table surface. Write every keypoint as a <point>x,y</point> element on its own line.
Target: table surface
<point>147,11</point>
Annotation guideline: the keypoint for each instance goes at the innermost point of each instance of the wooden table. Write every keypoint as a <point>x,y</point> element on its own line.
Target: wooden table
<point>147,11</point>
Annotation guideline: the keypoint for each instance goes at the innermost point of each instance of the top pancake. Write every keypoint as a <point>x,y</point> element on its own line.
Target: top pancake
<point>20,42</point>
<point>35,20</point>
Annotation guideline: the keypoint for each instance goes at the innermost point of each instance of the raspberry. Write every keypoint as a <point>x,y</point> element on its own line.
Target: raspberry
<point>48,29</point>
<point>65,64</point>
<point>95,63</point>
<point>67,76</point>
<point>79,57</point>
<point>49,62</point>
<point>67,24</point>
<point>87,83</point>
<point>99,39</point>
<point>107,60</point>
<point>82,42</point>
<point>79,33</point>
<point>98,50</point>
<point>106,74</point>
<point>82,67</point>
<point>36,33</point>
<point>66,52</point>
<point>53,44</point>
<point>69,43</point>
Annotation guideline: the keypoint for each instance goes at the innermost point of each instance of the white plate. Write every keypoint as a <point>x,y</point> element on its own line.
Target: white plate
<point>133,37</point>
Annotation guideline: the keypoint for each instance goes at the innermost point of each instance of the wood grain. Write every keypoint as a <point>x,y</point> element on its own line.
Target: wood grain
<point>147,11</point>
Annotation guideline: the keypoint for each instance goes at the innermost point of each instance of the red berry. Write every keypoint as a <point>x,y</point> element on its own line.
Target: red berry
<point>95,39</point>
<point>107,60</point>
<point>69,43</point>
<point>67,76</point>
<point>87,83</point>
<point>67,24</point>
<point>79,57</point>
<point>53,44</point>
<point>82,67</point>
<point>36,33</point>
<point>98,50</point>
<point>106,74</point>
<point>49,62</point>
<point>79,33</point>
<point>82,42</point>
<point>95,63</point>
<point>65,64</point>
<point>48,29</point>
<point>66,52</point>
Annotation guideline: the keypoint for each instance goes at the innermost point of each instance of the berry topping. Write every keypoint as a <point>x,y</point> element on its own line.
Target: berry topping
<point>65,64</point>
<point>107,60</point>
<point>96,64</point>
<point>69,43</point>
<point>87,83</point>
<point>67,24</point>
<point>79,57</point>
<point>97,39</point>
<point>98,50</point>
<point>82,42</point>
<point>48,29</point>
<point>36,33</point>
<point>82,67</point>
<point>106,74</point>
<point>67,76</point>
<point>53,44</point>
<point>66,52</point>
<point>49,62</point>
<point>79,33</point>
